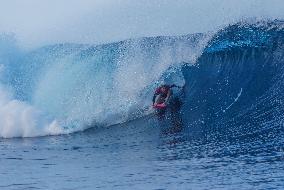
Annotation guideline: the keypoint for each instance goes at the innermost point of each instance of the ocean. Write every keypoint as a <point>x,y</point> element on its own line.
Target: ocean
<point>79,116</point>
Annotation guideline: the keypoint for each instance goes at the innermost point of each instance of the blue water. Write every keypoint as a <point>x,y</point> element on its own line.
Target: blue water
<point>142,155</point>
<point>93,103</point>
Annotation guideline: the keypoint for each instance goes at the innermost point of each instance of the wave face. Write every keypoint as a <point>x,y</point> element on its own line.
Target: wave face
<point>237,83</point>
<point>233,79</point>
<point>70,87</point>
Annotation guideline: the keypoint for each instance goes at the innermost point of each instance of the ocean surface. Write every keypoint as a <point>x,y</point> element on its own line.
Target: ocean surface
<point>79,116</point>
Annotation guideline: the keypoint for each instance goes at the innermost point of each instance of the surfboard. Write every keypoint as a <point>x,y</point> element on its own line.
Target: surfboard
<point>160,106</point>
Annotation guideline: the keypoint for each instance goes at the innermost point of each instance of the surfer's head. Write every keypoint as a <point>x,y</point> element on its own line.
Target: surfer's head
<point>163,88</point>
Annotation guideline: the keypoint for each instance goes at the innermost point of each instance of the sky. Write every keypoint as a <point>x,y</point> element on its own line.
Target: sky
<point>43,22</point>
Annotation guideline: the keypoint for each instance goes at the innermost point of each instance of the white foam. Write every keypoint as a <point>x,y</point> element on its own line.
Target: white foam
<point>18,119</point>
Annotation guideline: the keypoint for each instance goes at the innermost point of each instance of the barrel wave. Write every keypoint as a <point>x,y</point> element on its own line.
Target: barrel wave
<point>232,80</point>
<point>70,87</point>
<point>237,83</point>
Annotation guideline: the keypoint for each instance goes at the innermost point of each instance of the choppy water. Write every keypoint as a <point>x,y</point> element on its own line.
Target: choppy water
<point>141,156</point>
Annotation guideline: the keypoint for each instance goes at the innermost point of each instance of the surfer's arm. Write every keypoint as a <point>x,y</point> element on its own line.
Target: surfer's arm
<point>172,86</point>
<point>154,98</point>
<point>168,96</point>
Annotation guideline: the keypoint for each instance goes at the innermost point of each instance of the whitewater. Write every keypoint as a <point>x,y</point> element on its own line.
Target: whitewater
<point>88,109</point>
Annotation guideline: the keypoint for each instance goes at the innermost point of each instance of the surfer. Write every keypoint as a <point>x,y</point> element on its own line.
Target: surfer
<point>162,95</point>
<point>164,101</point>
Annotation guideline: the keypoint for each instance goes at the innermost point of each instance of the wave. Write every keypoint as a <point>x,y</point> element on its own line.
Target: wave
<point>234,78</point>
<point>238,81</point>
<point>76,86</point>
